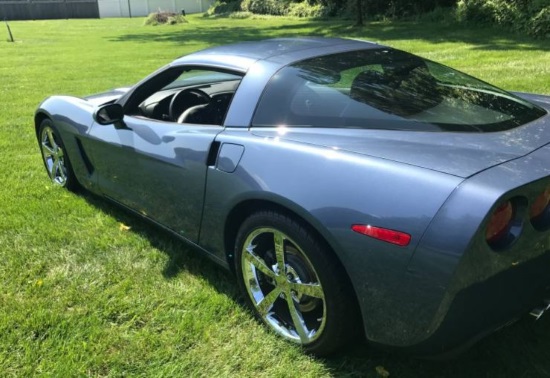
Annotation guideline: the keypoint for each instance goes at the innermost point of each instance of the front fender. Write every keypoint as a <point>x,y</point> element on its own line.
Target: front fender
<point>72,117</point>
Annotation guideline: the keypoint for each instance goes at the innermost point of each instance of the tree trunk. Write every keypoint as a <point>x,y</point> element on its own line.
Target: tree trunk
<point>359,4</point>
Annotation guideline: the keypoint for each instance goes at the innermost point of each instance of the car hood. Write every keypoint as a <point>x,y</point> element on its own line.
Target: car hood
<point>458,154</point>
<point>105,97</point>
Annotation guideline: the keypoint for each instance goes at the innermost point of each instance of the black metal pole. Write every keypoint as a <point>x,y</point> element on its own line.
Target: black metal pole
<point>9,31</point>
<point>129,9</point>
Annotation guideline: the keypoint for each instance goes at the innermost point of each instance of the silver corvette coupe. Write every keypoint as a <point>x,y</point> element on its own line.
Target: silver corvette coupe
<point>352,188</point>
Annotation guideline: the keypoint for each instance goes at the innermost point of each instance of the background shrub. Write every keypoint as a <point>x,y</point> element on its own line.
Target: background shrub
<point>221,7</point>
<point>539,25</point>
<point>161,17</point>
<point>273,7</point>
<point>304,9</point>
<point>531,17</point>
<point>525,16</point>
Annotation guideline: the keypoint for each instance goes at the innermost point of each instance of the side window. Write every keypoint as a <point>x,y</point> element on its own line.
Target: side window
<point>386,89</point>
<point>316,96</point>
<point>302,97</point>
<point>187,96</point>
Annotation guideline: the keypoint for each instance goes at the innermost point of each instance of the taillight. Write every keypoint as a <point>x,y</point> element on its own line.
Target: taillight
<point>540,203</point>
<point>538,211</point>
<point>499,224</point>
<point>390,236</point>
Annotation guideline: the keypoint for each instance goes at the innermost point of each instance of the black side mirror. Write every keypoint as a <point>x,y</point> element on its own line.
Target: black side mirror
<point>109,114</point>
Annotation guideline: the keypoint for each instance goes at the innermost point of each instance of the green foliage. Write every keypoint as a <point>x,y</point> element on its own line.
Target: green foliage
<point>161,18</point>
<point>245,8</point>
<point>374,9</point>
<point>439,14</point>
<point>402,8</point>
<point>531,17</point>
<point>304,9</point>
<point>221,7</point>
<point>272,7</point>
<point>528,16</point>
<point>539,25</point>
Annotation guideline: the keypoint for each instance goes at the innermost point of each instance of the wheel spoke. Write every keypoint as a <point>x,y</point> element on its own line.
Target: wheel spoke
<point>61,168</point>
<point>258,263</point>
<point>297,320</point>
<point>309,289</point>
<point>279,242</point>
<point>51,139</point>
<point>54,167</point>
<point>46,150</point>
<point>267,303</point>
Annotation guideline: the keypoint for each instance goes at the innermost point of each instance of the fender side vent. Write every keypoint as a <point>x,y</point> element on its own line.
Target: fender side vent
<point>87,162</point>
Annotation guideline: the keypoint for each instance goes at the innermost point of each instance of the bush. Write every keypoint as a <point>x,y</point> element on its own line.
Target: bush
<point>474,11</point>
<point>304,9</point>
<point>221,7</point>
<point>531,17</point>
<point>402,8</point>
<point>244,8</point>
<point>160,17</point>
<point>443,15</point>
<point>272,7</point>
<point>539,25</point>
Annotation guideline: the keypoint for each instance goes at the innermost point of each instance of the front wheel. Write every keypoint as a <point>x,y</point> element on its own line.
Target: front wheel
<point>54,156</point>
<point>293,283</point>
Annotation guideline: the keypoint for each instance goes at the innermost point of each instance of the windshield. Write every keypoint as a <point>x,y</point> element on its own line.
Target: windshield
<point>197,77</point>
<point>387,89</point>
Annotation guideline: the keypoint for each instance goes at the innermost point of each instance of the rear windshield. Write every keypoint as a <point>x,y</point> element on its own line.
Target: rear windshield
<point>387,89</point>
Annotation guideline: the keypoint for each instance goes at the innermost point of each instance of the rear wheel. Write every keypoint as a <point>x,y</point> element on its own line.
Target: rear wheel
<point>293,283</point>
<point>54,156</point>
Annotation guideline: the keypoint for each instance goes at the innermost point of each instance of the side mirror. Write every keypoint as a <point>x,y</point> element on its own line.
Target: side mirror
<point>109,114</point>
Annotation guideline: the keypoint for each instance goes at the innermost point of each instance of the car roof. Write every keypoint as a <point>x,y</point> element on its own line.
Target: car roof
<point>280,51</point>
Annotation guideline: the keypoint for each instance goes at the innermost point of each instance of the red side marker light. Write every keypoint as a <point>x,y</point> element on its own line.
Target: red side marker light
<point>390,236</point>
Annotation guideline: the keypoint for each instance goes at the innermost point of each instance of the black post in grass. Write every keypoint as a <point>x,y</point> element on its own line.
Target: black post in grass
<point>9,30</point>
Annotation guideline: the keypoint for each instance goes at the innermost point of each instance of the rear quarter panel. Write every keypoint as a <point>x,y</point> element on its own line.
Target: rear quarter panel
<point>332,190</point>
<point>446,264</point>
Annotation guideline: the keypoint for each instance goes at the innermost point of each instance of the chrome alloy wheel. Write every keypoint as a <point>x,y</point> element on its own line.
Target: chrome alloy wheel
<point>54,156</point>
<point>283,285</point>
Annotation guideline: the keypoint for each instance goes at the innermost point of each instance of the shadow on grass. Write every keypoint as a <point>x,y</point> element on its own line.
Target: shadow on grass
<point>521,350</point>
<point>182,257</point>
<point>481,38</point>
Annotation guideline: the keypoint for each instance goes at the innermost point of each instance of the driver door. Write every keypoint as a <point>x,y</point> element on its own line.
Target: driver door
<point>158,167</point>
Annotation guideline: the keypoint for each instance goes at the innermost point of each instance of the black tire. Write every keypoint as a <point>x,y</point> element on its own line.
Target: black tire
<point>312,303</point>
<point>55,157</point>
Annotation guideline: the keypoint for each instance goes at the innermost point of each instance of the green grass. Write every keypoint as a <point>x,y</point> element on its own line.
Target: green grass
<point>82,296</point>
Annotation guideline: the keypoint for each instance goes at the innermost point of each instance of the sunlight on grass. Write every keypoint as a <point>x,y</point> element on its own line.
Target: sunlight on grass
<point>82,296</point>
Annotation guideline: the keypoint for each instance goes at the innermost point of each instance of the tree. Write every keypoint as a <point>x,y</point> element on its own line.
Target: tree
<point>359,5</point>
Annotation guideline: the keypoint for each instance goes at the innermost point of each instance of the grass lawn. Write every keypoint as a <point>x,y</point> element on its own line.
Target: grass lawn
<point>87,290</point>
